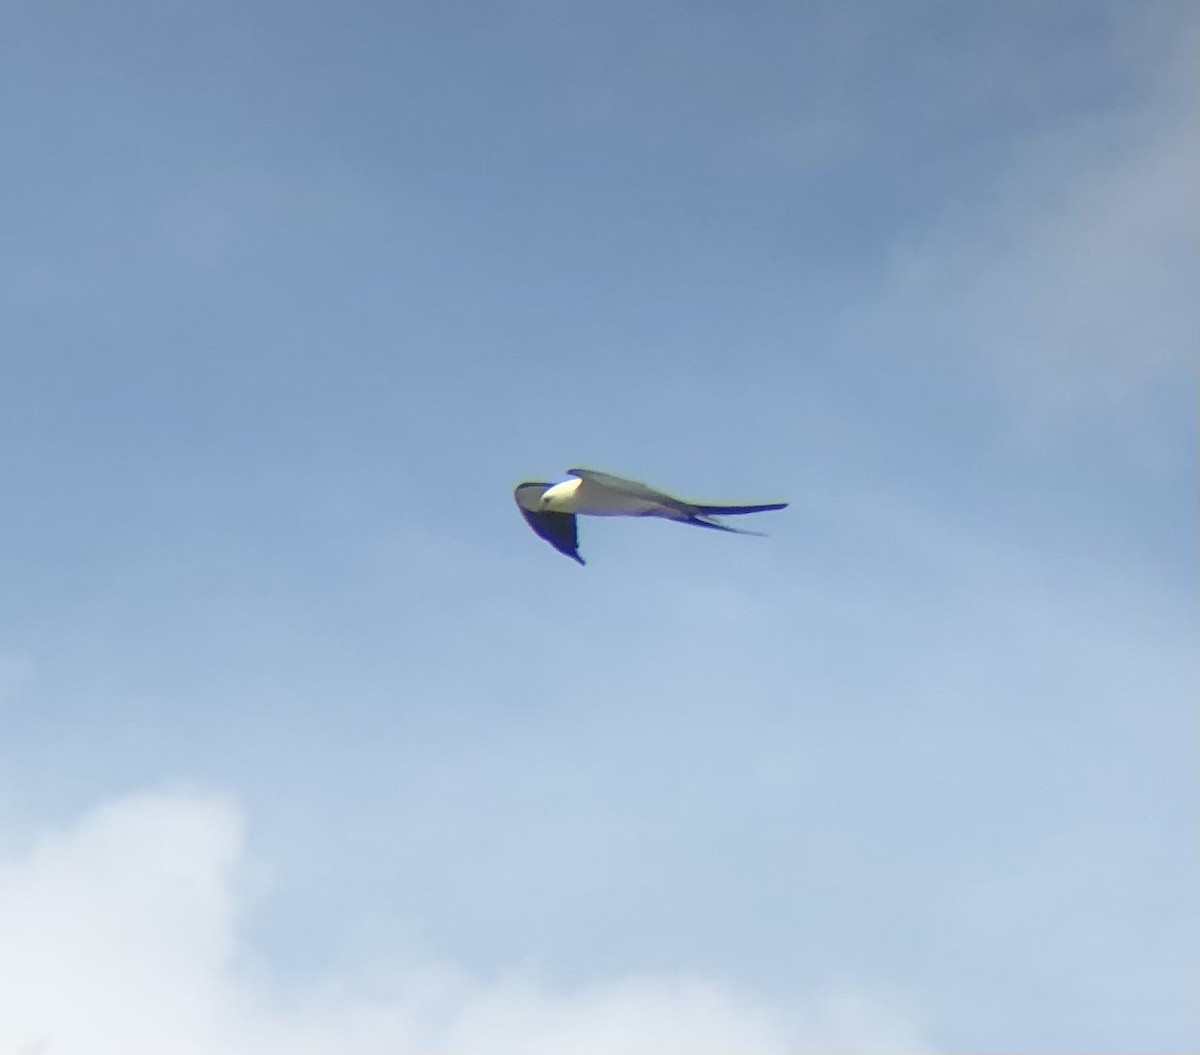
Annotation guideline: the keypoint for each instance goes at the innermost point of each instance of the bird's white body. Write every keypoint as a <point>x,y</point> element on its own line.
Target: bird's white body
<point>585,498</point>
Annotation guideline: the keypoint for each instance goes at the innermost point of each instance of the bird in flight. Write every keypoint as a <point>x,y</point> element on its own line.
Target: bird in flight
<point>551,509</point>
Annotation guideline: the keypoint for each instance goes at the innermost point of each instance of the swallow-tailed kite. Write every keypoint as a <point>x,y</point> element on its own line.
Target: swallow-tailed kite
<point>551,509</point>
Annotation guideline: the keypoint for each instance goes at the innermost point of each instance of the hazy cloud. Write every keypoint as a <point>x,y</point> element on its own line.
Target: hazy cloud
<point>1072,274</point>
<point>14,672</point>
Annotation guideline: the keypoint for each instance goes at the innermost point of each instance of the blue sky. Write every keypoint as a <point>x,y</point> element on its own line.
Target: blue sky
<point>307,743</point>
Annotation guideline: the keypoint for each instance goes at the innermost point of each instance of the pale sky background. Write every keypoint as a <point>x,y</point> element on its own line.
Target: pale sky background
<point>307,744</point>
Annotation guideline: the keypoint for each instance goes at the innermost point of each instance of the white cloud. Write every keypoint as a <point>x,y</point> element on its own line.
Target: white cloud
<point>121,935</point>
<point>117,932</point>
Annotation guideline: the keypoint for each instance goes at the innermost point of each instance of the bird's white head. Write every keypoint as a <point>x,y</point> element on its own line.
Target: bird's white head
<point>561,497</point>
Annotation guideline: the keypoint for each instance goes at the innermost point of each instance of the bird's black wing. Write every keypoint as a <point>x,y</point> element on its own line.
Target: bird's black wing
<point>556,528</point>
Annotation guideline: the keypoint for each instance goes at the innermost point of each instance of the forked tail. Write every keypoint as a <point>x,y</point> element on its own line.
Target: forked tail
<point>735,510</point>
<point>718,526</point>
